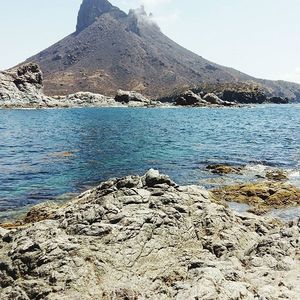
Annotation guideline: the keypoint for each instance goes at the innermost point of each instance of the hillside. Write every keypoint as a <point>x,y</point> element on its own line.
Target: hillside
<point>111,49</point>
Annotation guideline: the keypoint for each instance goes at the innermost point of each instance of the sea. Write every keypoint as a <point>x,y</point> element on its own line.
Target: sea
<point>54,154</point>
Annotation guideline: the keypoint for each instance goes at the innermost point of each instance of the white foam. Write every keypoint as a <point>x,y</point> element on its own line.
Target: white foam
<point>258,168</point>
<point>294,174</point>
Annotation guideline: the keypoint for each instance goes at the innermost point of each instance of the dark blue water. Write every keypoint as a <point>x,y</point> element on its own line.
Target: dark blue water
<point>46,153</point>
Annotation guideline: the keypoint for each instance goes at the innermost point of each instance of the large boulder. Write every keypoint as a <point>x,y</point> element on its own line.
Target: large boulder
<point>130,96</point>
<point>214,99</point>
<point>189,98</point>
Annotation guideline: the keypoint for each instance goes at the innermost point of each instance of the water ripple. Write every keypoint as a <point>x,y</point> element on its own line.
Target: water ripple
<point>46,153</point>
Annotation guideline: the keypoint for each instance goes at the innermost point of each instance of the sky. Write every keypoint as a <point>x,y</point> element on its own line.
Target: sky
<point>258,37</point>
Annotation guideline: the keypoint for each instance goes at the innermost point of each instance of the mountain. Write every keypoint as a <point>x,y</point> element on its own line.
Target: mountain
<point>112,50</point>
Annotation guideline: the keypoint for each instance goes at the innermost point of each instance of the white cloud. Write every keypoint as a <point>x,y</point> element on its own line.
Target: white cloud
<point>293,76</point>
<point>154,3</point>
<point>163,12</point>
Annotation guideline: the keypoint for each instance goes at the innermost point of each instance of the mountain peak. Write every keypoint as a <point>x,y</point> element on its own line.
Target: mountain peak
<point>114,50</point>
<point>90,10</point>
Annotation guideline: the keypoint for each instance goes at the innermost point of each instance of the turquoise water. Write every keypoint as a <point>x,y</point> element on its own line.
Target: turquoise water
<point>46,153</point>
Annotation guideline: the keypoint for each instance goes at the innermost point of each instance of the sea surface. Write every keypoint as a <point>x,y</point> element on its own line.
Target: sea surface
<point>49,154</point>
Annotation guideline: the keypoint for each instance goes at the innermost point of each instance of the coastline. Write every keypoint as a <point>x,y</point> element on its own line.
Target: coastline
<point>131,235</point>
<point>135,105</point>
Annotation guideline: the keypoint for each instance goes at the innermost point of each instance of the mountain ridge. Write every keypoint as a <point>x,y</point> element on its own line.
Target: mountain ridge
<point>111,49</point>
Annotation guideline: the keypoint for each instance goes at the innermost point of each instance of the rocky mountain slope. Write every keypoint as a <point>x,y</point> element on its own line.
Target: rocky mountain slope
<point>111,49</point>
<point>147,238</point>
<point>23,87</point>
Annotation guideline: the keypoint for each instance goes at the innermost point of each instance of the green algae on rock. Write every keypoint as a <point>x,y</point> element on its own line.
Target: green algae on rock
<point>262,195</point>
<point>223,169</point>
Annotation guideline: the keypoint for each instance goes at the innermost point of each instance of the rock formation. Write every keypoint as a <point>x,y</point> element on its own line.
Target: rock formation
<point>214,99</point>
<point>23,82</point>
<point>223,169</point>
<point>90,10</point>
<point>263,195</point>
<point>129,96</point>
<point>22,87</point>
<point>189,98</point>
<point>147,238</point>
<point>112,50</point>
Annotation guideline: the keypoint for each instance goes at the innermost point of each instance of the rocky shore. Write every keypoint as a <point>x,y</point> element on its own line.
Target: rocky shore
<point>144,237</point>
<point>22,87</point>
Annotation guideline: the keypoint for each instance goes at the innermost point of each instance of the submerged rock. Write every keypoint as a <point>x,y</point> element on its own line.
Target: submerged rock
<point>223,169</point>
<point>277,175</point>
<point>143,237</point>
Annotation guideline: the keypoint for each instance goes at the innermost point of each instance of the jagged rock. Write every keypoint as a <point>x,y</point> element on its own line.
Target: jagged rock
<point>23,82</point>
<point>143,237</point>
<point>130,96</point>
<point>214,99</point>
<point>244,96</point>
<point>90,10</point>
<point>189,98</point>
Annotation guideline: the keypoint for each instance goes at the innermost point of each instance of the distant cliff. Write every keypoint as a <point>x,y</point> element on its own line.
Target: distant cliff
<point>111,49</point>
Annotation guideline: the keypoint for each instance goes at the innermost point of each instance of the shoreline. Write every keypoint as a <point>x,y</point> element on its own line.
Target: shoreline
<point>239,187</point>
<point>137,233</point>
<point>163,106</point>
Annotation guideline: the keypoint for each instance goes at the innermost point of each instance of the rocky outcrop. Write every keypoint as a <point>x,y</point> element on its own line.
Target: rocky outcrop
<point>245,97</point>
<point>147,238</point>
<point>277,175</point>
<point>89,11</point>
<point>278,100</point>
<point>189,98</point>
<point>24,82</point>
<point>222,169</point>
<point>262,196</point>
<point>128,96</point>
<point>82,99</point>
<point>214,99</point>
<point>23,88</point>
<point>132,98</point>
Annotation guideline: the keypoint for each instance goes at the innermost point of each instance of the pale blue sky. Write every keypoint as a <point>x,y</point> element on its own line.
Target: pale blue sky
<point>259,37</point>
